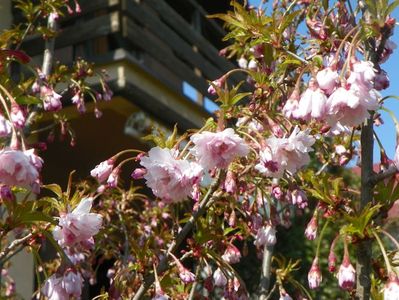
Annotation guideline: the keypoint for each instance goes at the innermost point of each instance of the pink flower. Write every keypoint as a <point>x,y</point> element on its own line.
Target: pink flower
<point>102,171</point>
<point>169,178</point>
<point>391,289</point>
<point>219,278</point>
<point>231,255</point>
<point>78,225</point>
<point>314,275</point>
<point>19,168</point>
<point>266,235</point>
<point>285,154</point>
<point>63,287</point>
<point>346,275</point>
<point>327,79</point>
<point>363,73</point>
<point>51,100</point>
<point>218,149</point>
<point>5,127</point>
<point>313,102</point>
<point>350,106</point>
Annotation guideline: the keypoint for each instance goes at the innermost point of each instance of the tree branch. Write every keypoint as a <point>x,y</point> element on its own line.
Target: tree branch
<point>14,245</point>
<point>375,178</point>
<point>266,272</point>
<point>363,251</point>
<point>163,265</point>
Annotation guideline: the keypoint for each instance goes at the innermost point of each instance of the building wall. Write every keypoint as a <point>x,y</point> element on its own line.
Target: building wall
<point>5,14</point>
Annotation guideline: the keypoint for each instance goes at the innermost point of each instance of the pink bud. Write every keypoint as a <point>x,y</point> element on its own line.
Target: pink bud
<point>311,229</point>
<point>138,173</point>
<point>314,275</point>
<point>346,274</point>
<point>17,116</point>
<point>112,180</point>
<point>332,261</point>
<point>277,193</point>
<point>102,171</point>
<point>299,198</point>
<point>231,255</point>
<point>185,275</point>
<point>230,183</point>
<point>98,113</point>
<point>216,83</point>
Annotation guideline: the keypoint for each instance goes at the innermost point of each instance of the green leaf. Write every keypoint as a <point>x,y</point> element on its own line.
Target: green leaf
<point>34,216</point>
<point>26,100</point>
<point>238,97</point>
<point>391,7</point>
<point>55,188</point>
<point>170,142</point>
<point>155,139</point>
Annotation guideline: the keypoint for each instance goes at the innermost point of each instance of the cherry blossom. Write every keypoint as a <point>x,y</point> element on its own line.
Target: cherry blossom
<point>19,168</point>
<point>218,149</point>
<point>169,178</point>
<point>285,154</point>
<point>78,225</point>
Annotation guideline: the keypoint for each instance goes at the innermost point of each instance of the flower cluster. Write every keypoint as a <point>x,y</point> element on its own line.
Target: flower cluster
<point>335,100</point>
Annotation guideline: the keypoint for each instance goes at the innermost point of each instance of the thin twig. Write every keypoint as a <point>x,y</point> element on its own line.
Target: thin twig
<point>163,265</point>
<point>14,245</point>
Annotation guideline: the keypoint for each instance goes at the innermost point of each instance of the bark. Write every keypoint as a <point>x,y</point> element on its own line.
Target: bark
<point>363,251</point>
<point>266,272</point>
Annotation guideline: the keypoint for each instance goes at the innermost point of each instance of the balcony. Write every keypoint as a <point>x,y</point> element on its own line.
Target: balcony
<point>159,54</point>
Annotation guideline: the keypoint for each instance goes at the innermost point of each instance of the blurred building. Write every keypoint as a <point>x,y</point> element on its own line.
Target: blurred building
<point>159,55</point>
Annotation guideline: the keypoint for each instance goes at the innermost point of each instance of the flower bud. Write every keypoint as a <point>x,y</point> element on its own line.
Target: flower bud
<point>138,173</point>
<point>346,275</point>
<point>311,229</point>
<point>314,275</point>
<point>332,261</point>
